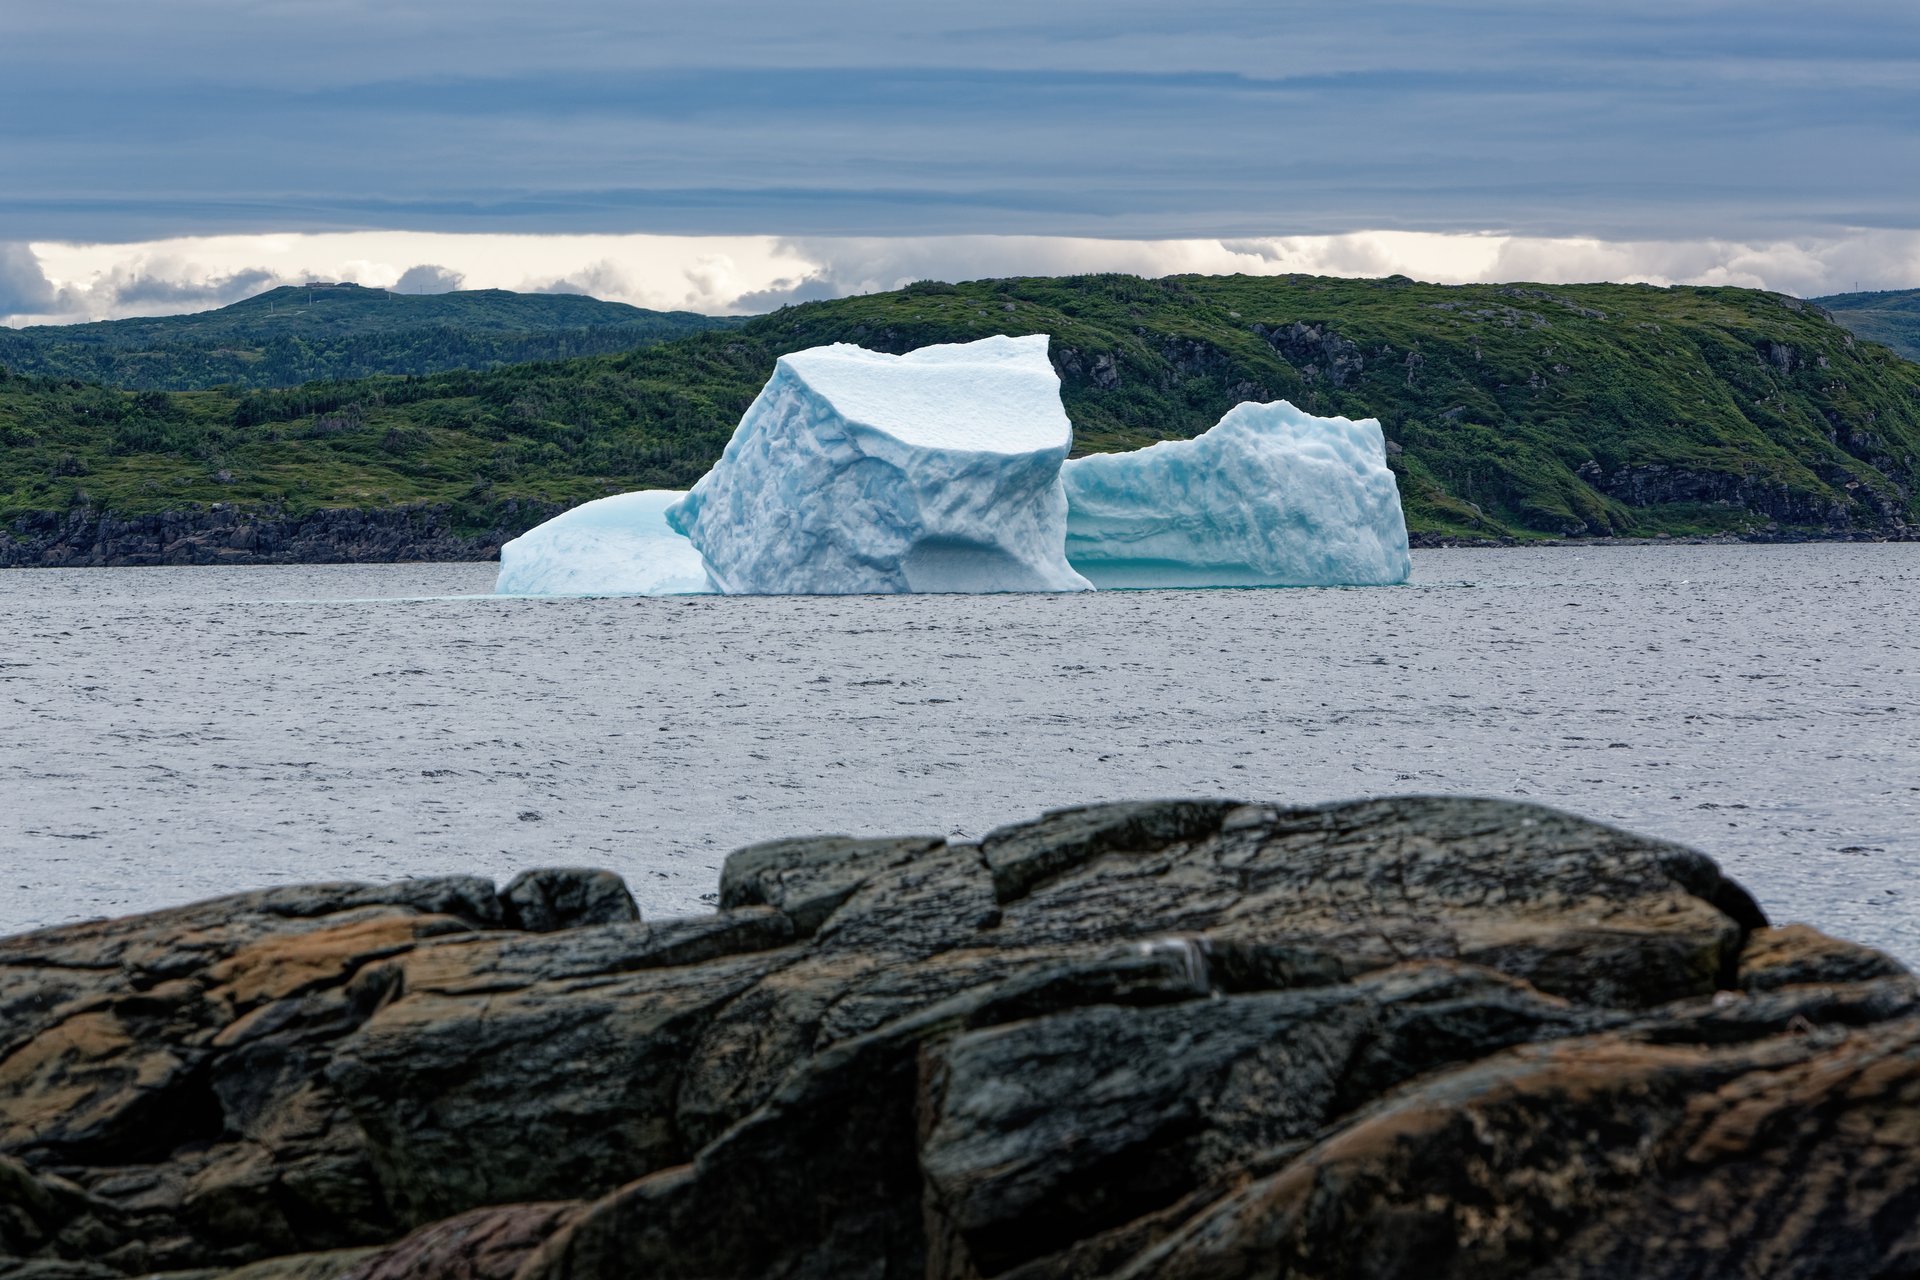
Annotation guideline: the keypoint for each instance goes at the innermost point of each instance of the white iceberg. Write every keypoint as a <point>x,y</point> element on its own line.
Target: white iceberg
<point>618,546</point>
<point>856,471</point>
<point>1269,496</point>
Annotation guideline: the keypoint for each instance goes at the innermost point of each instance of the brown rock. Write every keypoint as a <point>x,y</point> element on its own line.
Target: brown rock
<point>1796,1156</point>
<point>171,1067</point>
<point>1797,954</point>
<point>484,1244</point>
<point>1404,1037</point>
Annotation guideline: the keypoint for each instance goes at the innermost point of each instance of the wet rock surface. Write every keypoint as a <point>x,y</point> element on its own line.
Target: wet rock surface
<point>1407,1037</point>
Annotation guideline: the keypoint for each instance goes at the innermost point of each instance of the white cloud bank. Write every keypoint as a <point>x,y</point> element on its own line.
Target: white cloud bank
<point>51,282</point>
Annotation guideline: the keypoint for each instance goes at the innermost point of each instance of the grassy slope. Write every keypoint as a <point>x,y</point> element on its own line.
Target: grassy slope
<point>1514,409</point>
<point>296,334</point>
<point>1891,317</point>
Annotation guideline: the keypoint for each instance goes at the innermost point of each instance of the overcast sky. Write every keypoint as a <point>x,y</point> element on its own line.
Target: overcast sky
<point>1780,133</point>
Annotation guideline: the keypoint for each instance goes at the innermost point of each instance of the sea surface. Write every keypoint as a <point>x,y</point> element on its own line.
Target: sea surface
<point>172,734</point>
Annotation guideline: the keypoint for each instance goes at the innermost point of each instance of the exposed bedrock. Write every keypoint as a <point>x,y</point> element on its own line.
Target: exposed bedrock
<point>1393,1038</point>
<point>226,534</point>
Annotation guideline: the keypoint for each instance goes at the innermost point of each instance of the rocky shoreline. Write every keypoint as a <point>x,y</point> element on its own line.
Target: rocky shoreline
<point>1451,542</point>
<point>223,534</point>
<point>1395,1038</point>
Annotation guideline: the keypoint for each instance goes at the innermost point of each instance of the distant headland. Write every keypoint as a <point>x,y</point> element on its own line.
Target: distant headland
<point>1513,413</point>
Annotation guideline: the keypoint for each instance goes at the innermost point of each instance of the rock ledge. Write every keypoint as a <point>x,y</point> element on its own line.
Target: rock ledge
<point>1391,1038</point>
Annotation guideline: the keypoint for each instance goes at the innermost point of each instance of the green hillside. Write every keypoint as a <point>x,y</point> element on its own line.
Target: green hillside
<point>1520,410</point>
<point>1891,317</point>
<point>298,334</point>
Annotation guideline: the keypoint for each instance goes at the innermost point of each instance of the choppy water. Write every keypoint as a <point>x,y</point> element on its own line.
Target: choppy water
<point>168,734</point>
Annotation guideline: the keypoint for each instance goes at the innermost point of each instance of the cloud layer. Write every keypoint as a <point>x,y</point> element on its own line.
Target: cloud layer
<point>24,288</point>
<point>62,283</point>
<point>1638,120</point>
<point>428,277</point>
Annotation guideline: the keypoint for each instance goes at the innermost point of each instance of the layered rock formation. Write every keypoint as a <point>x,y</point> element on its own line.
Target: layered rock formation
<point>1414,1037</point>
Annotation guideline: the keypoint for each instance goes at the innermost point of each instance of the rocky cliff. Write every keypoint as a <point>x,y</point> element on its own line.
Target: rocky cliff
<point>1397,1038</point>
<point>225,534</point>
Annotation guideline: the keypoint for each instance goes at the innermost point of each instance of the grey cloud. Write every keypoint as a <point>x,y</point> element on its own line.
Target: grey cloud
<point>1805,267</point>
<point>139,290</point>
<point>850,265</point>
<point>787,292</point>
<point>134,289</point>
<point>721,278</point>
<point>24,289</point>
<point>1265,250</point>
<point>595,280</point>
<point>1125,118</point>
<point>428,278</point>
<point>1808,266</point>
<point>366,41</point>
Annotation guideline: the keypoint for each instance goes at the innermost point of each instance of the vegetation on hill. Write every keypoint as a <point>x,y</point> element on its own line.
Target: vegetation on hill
<point>300,333</point>
<point>1891,317</point>
<point>1509,410</point>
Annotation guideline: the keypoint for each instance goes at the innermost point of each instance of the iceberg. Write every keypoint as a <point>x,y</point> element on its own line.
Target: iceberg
<point>857,471</point>
<point>946,469</point>
<point>1269,496</point>
<point>618,546</point>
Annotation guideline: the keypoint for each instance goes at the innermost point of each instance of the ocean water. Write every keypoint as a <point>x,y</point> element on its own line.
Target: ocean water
<point>171,734</point>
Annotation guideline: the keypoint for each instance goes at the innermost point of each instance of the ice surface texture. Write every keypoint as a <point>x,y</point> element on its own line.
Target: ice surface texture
<point>945,470</point>
<point>618,546</point>
<point>856,471</point>
<point>1269,496</point>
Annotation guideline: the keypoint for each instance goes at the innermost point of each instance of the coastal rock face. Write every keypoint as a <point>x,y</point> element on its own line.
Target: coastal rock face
<point>1409,1037</point>
<point>225,534</point>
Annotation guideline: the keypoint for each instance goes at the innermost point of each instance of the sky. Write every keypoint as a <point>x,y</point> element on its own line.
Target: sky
<point>735,154</point>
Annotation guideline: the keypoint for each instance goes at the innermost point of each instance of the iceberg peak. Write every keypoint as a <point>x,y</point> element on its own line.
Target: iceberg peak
<point>997,395</point>
<point>859,471</point>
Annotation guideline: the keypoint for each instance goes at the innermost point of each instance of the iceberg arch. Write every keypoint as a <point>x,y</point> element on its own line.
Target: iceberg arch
<point>1269,496</point>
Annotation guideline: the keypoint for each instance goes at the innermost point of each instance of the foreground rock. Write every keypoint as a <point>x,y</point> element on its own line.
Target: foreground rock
<point>1390,1038</point>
